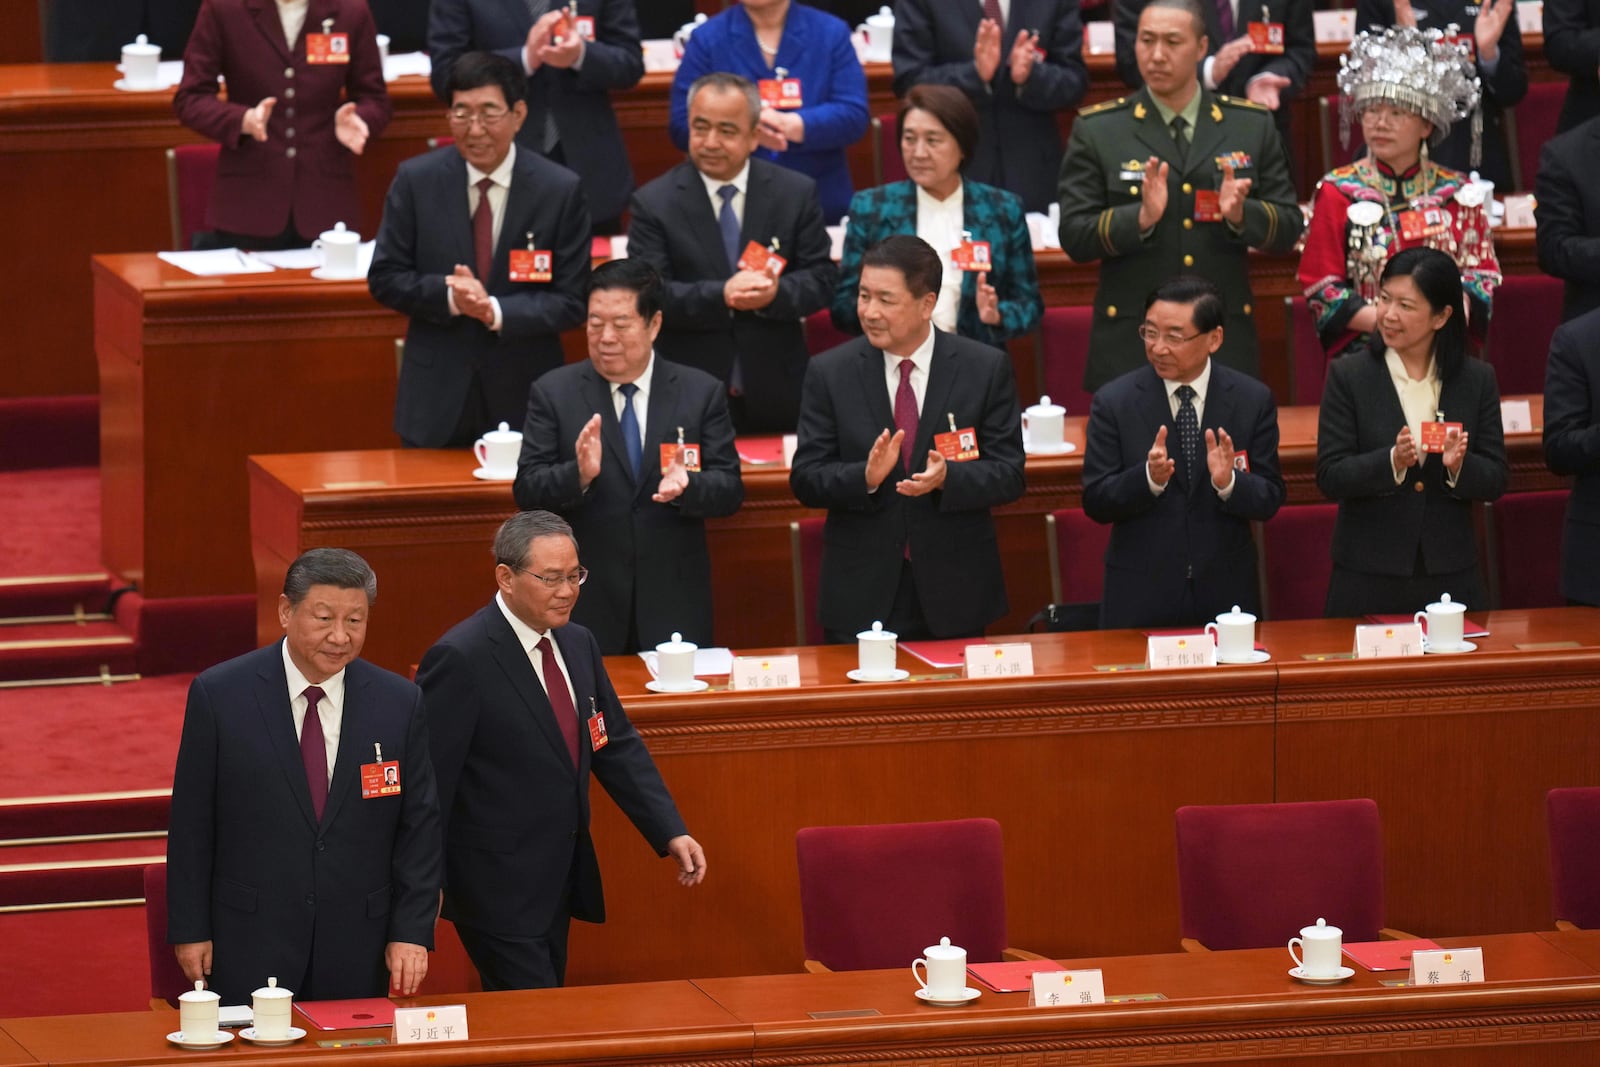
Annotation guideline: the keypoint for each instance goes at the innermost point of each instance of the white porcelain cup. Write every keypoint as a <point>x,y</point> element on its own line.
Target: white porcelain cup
<point>341,251</point>
<point>383,47</point>
<point>498,451</point>
<point>270,1009</point>
<point>675,662</point>
<point>1446,621</point>
<point>1044,425</point>
<point>875,651</point>
<point>1235,632</point>
<point>197,1014</point>
<point>1320,946</point>
<point>141,62</point>
<point>945,967</point>
<point>680,39</point>
<point>877,34</point>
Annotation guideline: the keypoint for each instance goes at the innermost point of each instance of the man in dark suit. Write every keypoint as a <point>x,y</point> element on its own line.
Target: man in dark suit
<point>1572,447</point>
<point>1572,45</point>
<point>458,253</point>
<point>694,224</point>
<point>1018,71</point>
<point>521,712</point>
<point>636,453</point>
<point>280,860</point>
<point>908,540</point>
<point>1568,216</point>
<point>1180,503</point>
<point>570,120</point>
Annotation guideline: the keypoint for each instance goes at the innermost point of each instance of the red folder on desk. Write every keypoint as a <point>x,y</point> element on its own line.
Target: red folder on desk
<point>348,1014</point>
<point>760,450</point>
<point>947,653</point>
<point>1013,977</point>
<point>1387,955</point>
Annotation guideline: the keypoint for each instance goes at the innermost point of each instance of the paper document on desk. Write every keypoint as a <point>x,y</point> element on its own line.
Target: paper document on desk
<point>707,661</point>
<point>216,262</point>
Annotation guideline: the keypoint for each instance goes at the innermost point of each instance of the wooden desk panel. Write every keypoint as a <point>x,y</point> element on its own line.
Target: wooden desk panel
<point>13,1054</point>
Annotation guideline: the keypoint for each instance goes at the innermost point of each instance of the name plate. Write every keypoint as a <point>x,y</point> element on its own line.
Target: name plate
<point>1447,966</point>
<point>1062,989</point>
<point>765,672</point>
<point>1381,641</point>
<point>425,1026</point>
<point>1171,651</point>
<point>1516,416</point>
<point>999,661</point>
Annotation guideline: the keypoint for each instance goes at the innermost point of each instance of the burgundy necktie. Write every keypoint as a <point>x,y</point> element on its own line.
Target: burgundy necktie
<point>483,231</point>
<point>905,413</point>
<point>555,687</point>
<point>1225,20</point>
<point>314,752</point>
<point>991,10</point>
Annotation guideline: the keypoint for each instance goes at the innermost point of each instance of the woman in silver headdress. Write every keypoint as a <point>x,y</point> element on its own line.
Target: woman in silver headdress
<point>1408,87</point>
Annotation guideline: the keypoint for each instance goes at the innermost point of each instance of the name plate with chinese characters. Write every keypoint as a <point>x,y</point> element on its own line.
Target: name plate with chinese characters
<point>423,1026</point>
<point>999,661</point>
<point>1446,966</point>
<point>765,672</point>
<point>1516,416</point>
<point>1171,651</point>
<point>1064,989</point>
<point>1377,640</point>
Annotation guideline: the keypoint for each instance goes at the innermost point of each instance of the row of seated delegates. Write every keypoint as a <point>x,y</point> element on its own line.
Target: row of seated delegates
<point>303,99</point>
<point>990,300</point>
<point>1173,178</point>
<point>1018,61</point>
<point>1568,216</point>
<point>695,224</point>
<point>570,119</point>
<point>458,222</point>
<point>820,108</point>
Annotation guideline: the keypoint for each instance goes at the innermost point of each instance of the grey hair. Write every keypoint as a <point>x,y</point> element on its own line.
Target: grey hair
<point>511,541</point>
<point>722,81</point>
<point>338,567</point>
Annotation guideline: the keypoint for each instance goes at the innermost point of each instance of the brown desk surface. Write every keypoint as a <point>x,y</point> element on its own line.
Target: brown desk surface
<point>11,1053</point>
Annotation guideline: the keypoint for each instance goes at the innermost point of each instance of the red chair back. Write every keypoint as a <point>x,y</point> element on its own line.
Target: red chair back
<point>876,896</point>
<point>1527,310</point>
<point>1574,820</point>
<point>1308,363</point>
<point>1251,875</point>
<point>1297,560</point>
<point>805,567</point>
<point>1077,548</point>
<point>820,334</point>
<point>166,977</point>
<point>1524,532</point>
<point>1064,351</point>
<point>1535,116</point>
<point>191,173</point>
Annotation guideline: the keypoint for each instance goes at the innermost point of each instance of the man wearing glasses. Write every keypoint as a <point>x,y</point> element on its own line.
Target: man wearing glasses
<point>459,252</point>
<point>520,711</point>
<point>636,453</point>
<point>1182,455</point>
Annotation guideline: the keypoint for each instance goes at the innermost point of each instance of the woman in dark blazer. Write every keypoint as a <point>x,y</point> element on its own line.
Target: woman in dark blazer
<point>938,137</point>
<point>1404,533</point>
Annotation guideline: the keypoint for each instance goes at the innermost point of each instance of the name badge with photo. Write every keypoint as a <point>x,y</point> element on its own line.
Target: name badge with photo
<point>1421,223</point>
<point>1433,434</point>
<point>1266,38</point>
<point>532,265</point>
<point>327,48</point>
<point>972,256</point>
<point>597,728</point>
<point>762,259</point>
<point>691,455</point>
<point>380,779</point>
<point>781,93</point>
<point>1207,206</point>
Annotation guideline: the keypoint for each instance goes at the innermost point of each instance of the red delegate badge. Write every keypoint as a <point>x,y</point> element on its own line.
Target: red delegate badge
<point>1207,205</point>
<point>1433,434</point>
<point>760,259</point>
<point>781,93</point>
<point>531,265</point>
<point>1266,38</point>
<point>691,456</point>
<point>327,48</point>
<point>972,255</point>
<point>597,728</point>
<point>380,780</point>
<point>1422,223</point>
<point>1241,461</point>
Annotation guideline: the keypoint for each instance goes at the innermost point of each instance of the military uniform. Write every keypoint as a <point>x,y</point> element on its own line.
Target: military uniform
<point>1102,178</point>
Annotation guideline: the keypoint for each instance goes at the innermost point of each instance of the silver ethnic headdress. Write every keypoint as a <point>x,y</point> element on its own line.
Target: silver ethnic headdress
<point>1418,70</point>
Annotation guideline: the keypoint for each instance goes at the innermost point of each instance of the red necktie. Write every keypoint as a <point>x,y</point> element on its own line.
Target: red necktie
<point>483,231</point>
<point>991,10</point>
<point>555,687</point>
<point>1225,20</point>
<point>314,752</point>
<point>905,413</point>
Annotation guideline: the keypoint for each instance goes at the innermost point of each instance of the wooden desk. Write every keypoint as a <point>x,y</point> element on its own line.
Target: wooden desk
<point>13,1054</point>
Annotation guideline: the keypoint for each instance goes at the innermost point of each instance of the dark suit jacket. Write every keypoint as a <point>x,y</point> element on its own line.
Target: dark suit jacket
<point>245,855</point>
<point>1019,144</point>
<point>1158,542</point>
<point>426,232</point>
<point>955,559</point>
<point>675,231</point>
<point>306,171</point>
<point>516,812</point>
<point>992,215</point>
<point>1382,525</point>
<point>1569,216</point>
<point>580,101</point>
<point>1572,45</point>
<point>405,21</point>
<point>92,31</point>
<point>1572,447</point>
<point>646,560</point>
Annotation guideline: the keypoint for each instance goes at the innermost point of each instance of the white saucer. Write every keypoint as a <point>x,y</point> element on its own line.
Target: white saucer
<point>484,474</point>
<point>1256,655</point>
<point>968,995</point>
<point>330,276</point>
<point>123,85</point>
<point>1050,450</point>
<point>698,685</point>
<point>897,675</point>
<point>249,1034</point>
<point>1332,979</point>
<point>222,1037</point>
<point>1449,650</point>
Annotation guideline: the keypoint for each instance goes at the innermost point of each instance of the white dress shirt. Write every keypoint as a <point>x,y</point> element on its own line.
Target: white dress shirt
<point>641,399</point>
<point>922,357</point>
<point>740,182</point>
<point>498,194</point>
<point>330,709</point>
<point>1200,385</point>
<point>292,13</point>
<point>939,223</point>
<point>529,639</point>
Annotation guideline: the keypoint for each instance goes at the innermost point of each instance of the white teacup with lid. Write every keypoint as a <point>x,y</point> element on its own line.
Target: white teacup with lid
<point>197,1015</point>
<point>1320,948</point>
<point>1446,622</point>
<point>946,968</point>
<point>1235,632</point>
<point>1044,425</point>
<point>875,652</point>
<point>675,663</point>
<point>271,1007</point>
<point>680,39</point>
<point>498,451</point>
<point>141,63</point>
<point>877,33</point>
<point>341,251</point>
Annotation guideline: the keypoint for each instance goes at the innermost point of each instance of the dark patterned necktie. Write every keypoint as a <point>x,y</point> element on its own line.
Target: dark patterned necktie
<point>991,10</point>
<point>1188,432</point>
<point>314,752</point>
<point>728,223</point>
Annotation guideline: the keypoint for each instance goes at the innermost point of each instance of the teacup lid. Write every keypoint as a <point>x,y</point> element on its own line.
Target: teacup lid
<point>1236,616</point>
<point>1445,606</point>
<point>1044,407</point>
<point>340,235</point>
<point>944,950</point>
<point>273,990</point>
<point>503,435</point>
<point>1321,930</point>
<point>141,46</point>
<point>199,992</point>
<point>883,19</point>
<point>677,644</point>
<point>877,633</point>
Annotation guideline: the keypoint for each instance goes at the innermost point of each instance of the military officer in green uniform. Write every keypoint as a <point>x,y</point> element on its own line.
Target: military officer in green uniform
<point>1173,179</point>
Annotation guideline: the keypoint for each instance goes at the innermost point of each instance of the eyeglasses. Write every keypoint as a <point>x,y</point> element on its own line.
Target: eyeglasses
<point>575,579</point>
<point>488,118</point>
<point>1150,335</point>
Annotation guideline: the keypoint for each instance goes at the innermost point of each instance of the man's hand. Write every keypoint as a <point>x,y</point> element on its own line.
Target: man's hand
<point>988,301</point>
<point>564,54</point>
<point>1490,24</point>
<point>1232,195</point>
<point>1219,458</point>
<point>881,459</point>
<point>1405,451</point>
<point>1228,57</point>
<point>674,480</point>
<point>1153,198</point>
<point>925,481</point>
<point>769,131</point>
<point>194,957</point>
<point>1266,90</point>
<point>588,450</point>
<point>1158,465</point>
<point>408,965</point>
<point>350,128</point>
<point>986,50</point>
<point>1455,451</point>
<point>538,40</point>
<point>1023,55</point>
<point>470,296</point>
<point>749,290</point>
<point>255,119</point>
<point>691,859</point>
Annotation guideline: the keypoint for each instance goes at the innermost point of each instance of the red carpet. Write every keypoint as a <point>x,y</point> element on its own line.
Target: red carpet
<point>71,962</point>
<point>52,522</point>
